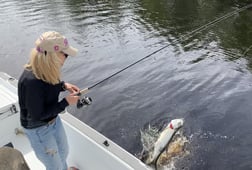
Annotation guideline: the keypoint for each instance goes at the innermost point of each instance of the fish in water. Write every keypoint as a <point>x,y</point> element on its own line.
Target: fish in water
<point>163,140</point>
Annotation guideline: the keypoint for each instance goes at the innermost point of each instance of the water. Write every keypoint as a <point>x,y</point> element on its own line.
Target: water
<point>205,79</point>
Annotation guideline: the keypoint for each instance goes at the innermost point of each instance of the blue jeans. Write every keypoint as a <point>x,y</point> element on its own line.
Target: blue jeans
<point>50,145</point>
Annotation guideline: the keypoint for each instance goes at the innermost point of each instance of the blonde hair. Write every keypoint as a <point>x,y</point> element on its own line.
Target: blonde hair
<point>45,67</point>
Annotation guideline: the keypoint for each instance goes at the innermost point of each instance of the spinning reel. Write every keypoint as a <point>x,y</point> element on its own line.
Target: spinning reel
<point>85,101</point>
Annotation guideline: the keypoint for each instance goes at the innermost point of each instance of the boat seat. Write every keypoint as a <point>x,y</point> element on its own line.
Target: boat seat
<point>9,145</point>
<point>12,159</point>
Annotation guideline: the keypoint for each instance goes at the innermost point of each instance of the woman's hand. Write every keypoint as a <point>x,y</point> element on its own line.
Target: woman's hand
<point>72,98</point>
<point>74,91</point>
<point>71,88</point>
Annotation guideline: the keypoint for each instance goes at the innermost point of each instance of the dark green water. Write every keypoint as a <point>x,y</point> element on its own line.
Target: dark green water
<point>203,77</point>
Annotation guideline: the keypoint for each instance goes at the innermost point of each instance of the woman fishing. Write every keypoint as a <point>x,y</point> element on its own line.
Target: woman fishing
<point>38,90</point>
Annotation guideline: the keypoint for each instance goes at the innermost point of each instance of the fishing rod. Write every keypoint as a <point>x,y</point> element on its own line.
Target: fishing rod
<point>88,100</point>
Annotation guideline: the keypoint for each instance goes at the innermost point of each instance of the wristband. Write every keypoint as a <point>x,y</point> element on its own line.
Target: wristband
<point>63,86</point>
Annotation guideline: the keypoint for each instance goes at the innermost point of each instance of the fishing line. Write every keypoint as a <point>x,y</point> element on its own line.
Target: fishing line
<point>247,50</point>
<point>183,38</point>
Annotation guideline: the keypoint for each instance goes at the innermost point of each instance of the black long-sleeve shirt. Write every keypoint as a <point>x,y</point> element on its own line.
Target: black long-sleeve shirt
<point>38,100</point>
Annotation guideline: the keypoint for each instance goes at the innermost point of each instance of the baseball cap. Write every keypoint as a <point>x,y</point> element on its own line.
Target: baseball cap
<point>53,41</point>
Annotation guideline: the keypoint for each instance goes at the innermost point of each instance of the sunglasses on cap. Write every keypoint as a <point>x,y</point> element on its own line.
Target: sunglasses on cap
<point>66,55</point>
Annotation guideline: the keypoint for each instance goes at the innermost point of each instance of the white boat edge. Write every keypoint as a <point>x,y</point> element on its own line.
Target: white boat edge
<point>89,149</point>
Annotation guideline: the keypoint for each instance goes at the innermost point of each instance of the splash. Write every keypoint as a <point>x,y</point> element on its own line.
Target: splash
<point>149,137</point>
<point>175,151</point>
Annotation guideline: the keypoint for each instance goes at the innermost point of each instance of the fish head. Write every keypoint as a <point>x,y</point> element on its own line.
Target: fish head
<point>177,123</point>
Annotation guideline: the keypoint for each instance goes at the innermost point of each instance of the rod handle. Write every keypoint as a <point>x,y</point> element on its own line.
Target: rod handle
<point>84,91</point>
